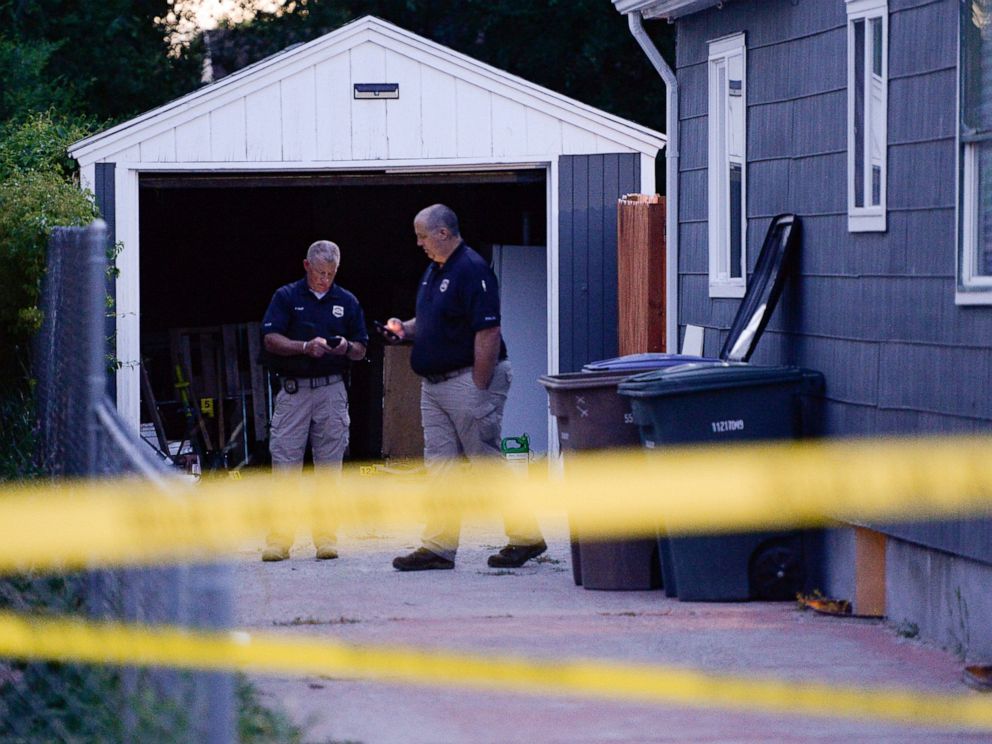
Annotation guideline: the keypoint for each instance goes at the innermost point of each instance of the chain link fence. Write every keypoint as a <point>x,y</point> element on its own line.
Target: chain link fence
<point>81,435</point>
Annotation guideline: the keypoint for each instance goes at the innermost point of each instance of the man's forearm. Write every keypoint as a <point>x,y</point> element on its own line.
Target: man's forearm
<point>487,343</point>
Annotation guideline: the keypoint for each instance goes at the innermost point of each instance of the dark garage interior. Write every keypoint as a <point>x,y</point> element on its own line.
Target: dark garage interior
<point>214,247</point>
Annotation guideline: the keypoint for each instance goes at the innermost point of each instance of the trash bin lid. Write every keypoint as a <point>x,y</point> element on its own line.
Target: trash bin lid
<point>582,380</point>
<point>701,376</point>
<point>763,288</point>
<point>641,362</point>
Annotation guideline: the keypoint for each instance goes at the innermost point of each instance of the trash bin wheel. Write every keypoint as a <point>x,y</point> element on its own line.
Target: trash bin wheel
<point>776,572</point>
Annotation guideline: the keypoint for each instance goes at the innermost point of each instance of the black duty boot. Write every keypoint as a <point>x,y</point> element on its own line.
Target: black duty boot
<point>421,559</point>
<point>514,556</point>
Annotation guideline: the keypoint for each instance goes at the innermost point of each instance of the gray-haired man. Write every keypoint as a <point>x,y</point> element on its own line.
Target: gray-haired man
<point>312,329</point>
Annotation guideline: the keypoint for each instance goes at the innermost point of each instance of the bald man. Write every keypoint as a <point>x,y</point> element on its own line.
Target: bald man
<point>459,353</point>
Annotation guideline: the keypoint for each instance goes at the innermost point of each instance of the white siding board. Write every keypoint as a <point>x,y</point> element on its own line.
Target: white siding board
<point>473,130</point>
<point>193,140</point>
<point>368,121</point>
<point>333,108</point>
<point>404,126</point>
<point>227,132</point>
<point>363,34</point>
<point>438,106</point>
<point>160,149</point>
<point>543,133</point>
<point>509,126</point>
<point>263,124</point>
<point>577,141</point>
<point>299,131</point>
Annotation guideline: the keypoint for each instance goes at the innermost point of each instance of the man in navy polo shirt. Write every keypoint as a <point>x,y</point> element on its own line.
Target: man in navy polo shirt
<point>312,330</point>
<point>459,352</point>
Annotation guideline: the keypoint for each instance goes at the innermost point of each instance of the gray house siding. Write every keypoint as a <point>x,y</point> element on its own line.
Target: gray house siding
<point>874,312</point>
<point>589,186</point>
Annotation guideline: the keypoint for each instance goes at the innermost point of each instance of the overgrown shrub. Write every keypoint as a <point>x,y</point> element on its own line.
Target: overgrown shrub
<point>31,205</point>
<point>38,142</point>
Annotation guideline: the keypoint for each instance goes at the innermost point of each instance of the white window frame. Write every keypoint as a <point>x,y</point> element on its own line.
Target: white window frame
<point>973,288</point>
<point>871,218</point>
<point>727,116</point>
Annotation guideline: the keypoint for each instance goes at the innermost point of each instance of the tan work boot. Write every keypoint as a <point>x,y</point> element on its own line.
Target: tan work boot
<point>326,552</point>
<point>274,553</point>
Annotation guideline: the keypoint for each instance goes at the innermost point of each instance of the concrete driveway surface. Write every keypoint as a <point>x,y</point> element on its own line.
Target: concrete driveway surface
<point>537,611</point>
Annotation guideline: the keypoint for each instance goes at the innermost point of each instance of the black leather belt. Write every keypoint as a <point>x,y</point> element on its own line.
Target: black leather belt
<point>292,384</point>
<point>434,379</point>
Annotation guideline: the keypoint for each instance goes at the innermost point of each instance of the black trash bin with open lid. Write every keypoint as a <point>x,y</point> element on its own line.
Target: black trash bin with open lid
<point>591,415</point>
<point>730,402</point>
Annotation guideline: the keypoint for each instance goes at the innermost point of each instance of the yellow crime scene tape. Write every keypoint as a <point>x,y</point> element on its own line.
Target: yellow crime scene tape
<point>702,489</point>
<point>86,524</point>
<point>71,640</point>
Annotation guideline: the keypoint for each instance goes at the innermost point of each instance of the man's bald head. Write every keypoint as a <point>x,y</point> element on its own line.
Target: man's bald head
<point>437,216</point>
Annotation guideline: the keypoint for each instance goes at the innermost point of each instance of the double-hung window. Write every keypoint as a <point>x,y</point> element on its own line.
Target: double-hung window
<point>867,113</point>
<point>974,284</point>
<point>727,187</point>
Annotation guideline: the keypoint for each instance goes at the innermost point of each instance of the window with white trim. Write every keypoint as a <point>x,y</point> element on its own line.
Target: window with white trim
<point>867,113</point>
<point>975,163</point>
<point>727,167</point>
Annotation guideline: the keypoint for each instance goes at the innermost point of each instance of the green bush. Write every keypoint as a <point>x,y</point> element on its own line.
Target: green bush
<point>38,142</point>
<point>31,205</point>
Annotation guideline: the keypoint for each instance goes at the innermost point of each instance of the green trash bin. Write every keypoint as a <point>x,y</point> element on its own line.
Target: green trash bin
<point>731,402</point>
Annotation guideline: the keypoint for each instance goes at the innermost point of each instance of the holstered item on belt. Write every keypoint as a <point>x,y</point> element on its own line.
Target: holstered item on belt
<point>292,384</point>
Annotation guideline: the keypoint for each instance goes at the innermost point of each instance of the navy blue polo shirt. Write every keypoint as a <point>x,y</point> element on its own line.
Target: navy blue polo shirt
<point>297,314</point>
<point>454,301</point>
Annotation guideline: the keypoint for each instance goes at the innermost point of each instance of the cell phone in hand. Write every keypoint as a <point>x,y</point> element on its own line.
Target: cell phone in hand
<point>387,334</point>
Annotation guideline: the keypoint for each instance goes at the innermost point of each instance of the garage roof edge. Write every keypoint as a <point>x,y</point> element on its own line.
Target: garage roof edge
<point>147,125</point>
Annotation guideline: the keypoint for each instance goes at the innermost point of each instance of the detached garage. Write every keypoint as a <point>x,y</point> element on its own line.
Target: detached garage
<point>216,196</point>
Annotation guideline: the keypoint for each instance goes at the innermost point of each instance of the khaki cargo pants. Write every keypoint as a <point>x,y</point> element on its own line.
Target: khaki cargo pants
<point>462,421</point>
<point>320,415</point>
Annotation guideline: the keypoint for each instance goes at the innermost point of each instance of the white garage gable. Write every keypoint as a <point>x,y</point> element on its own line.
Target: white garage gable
<point>299,106</point>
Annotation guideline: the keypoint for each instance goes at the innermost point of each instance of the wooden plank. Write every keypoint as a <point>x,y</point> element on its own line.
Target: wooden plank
<point>259,401</point>
<point>601,283</point>
<point>869,572</point>
<point>193,140</point>
<point>566,251</point>
<point>581,202</point>
<point>333,108</point>
<point>263,124</point>
<point>299,131</point>
<point>402,432</point>
<point>438,111</point>
<point>474,121</point>
<point>509,126</point>
<point>227,132</point>
<point>641,275</point>
<point>368,119</point>
<point>152,406</point>
<point>230,361</point>
<point>160,149</point>
<point>404,124</point>
<point>543,133</point>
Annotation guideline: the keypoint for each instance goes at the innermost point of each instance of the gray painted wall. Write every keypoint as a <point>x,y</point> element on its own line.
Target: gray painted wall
<point>874,312</point>
<point>105,190</point>
<point>588,189</point>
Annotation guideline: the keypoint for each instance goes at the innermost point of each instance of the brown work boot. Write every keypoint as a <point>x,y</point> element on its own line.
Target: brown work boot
<point>273,553</point>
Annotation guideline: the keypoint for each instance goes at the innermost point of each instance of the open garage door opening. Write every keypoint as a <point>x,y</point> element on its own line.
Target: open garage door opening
<point>214,247</point>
